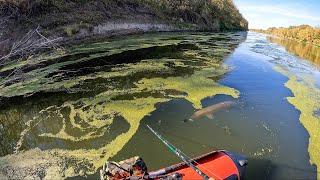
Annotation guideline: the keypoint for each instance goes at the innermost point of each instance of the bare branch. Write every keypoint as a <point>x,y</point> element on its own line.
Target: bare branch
<point>28,45</point>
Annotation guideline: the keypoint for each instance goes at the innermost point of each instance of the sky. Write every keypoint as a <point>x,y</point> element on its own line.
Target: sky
<point>262,14</point>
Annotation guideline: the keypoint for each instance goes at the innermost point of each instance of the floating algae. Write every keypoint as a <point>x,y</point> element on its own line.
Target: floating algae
<point>52,74</point>
<point>77,131</point>
<point>306,98</point>
<point>132,110</point>
<point>197,86</point>
<point>96,125</point>
<point>32,164</point>
<point>37,80</point>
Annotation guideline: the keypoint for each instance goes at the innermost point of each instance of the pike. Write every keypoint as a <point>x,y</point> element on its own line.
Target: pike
<point>210,110</point>
<point>180,154</point>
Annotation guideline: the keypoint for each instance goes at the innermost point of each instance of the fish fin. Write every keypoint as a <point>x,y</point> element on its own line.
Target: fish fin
<point>187,120</point>
<point>210,116</point>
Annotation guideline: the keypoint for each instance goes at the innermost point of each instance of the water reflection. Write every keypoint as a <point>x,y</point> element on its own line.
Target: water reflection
<point>303,50</point>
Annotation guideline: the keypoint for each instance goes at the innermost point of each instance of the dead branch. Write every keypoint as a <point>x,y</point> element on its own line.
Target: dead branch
<point>27,46</point>
<point>32,42</point>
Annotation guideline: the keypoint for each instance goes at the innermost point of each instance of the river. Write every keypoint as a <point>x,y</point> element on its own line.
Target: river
<point>74,109</point>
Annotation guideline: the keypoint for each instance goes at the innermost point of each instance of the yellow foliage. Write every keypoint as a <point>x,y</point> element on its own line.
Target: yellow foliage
<point>303,33</point>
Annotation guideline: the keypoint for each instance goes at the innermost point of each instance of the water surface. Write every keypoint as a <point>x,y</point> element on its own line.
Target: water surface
<point>92,103</point>
<point>308,52</point>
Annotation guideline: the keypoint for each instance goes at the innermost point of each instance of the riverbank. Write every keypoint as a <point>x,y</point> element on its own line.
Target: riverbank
<point>73,20</point>
<point>305,51</point>
<point>303,33</point>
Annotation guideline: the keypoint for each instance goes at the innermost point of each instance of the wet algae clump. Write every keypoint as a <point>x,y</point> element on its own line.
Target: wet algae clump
<point>121,80</point>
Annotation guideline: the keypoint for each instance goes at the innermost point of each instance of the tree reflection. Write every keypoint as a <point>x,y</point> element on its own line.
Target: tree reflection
<point>303,50</point>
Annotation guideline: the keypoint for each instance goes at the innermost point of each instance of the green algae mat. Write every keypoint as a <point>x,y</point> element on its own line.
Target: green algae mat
<point>87,101</point>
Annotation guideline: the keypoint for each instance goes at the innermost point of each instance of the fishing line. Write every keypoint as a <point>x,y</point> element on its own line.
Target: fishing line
<point>187,139</point>
<point>195,162</point>
<point>188,160</point>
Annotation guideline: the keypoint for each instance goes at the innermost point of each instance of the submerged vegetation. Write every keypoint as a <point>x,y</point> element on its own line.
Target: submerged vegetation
<point>303,33</point>
<point>95,95</point>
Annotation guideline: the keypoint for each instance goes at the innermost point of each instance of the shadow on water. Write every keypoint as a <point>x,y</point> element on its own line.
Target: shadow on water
<point>265,169</point>
<point>260,169</point>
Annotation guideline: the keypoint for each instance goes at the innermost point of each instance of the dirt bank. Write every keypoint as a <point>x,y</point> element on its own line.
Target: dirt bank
<point>74,20</point>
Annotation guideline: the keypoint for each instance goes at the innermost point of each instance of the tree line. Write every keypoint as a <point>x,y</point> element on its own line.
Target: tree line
<point>302,33</point>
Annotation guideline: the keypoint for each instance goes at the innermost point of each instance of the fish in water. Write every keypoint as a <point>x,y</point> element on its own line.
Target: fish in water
<point>210,110</point>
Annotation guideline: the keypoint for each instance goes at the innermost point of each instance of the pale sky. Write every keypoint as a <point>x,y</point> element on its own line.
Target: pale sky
<point>279,13</point>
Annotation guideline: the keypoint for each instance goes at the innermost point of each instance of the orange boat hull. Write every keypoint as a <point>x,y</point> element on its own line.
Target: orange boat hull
<point>218,165</point>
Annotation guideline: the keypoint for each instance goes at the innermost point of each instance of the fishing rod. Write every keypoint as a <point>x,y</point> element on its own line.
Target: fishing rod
<point>180,154</point>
